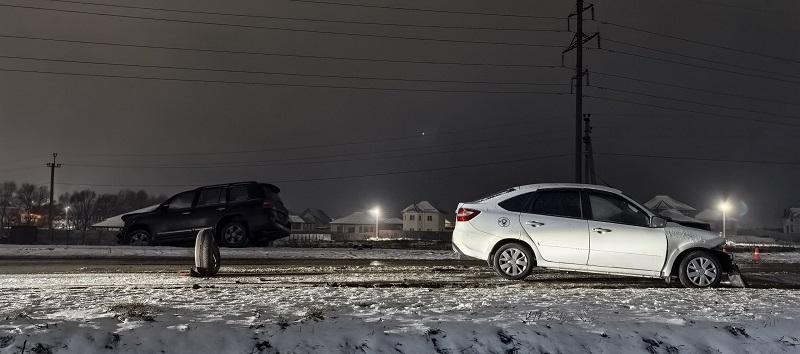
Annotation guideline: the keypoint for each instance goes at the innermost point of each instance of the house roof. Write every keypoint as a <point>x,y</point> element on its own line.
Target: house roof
<point>116,221</point>
<point>713,215</point>
<point>423,207</point>
<point>676,215</point>
<point>356,218</point>
<point>296,219</point>
<point>392,221</point>
<point>315,216</point>
<point>664,202</point>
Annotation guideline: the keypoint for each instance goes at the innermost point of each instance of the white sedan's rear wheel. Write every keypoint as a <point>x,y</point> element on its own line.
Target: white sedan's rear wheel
<point>700,269</point>
<point>513,261</point>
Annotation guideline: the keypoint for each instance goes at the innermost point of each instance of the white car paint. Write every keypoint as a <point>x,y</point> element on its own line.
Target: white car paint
<point>575,244</point>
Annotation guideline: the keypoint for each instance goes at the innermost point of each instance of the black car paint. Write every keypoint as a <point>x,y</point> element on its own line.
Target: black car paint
<point>166,224</point>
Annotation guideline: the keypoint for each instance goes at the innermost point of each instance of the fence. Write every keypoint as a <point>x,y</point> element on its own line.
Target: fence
<point>34,236</point>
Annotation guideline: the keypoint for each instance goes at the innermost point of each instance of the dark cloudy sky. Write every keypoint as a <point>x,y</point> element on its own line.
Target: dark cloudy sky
<point>151,123</point>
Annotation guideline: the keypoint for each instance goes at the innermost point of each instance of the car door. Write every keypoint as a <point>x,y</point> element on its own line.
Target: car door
<point>620,235</point>
<point>209,208</point>
<point>554,222</point>
<point>175,216</point>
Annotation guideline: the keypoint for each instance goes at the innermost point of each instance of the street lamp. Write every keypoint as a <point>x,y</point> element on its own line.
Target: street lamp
<point>66,217</point>
<point>377,212</point>
<point>724,207</point>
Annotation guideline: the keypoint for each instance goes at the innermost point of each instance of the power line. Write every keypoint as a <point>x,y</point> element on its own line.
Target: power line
<point>691,111</point>
<point>698,42</point>
<point>700,159</point>
<point>276,54</point>
<point>276,72</point>
<point>697,66</point>
<point>595,72</point>
<point>695,102</point>
<point>250,83</point>
<point>385,139</point>
<point>194,12</point>
<point>285,29</point>
<point>336,177</point>
<point>427,10</point>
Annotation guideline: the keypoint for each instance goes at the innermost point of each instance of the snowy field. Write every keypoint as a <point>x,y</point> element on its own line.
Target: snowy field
<point>241,313</point>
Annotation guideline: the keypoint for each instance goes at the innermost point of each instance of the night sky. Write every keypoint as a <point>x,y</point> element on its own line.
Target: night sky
<point>280,98</point>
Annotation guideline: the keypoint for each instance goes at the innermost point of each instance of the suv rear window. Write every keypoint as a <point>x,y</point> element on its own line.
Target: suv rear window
<point>270,195</point>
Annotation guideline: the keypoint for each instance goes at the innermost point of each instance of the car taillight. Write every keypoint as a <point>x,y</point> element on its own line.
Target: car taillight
<point>464,214</point>
<point>267,204</point>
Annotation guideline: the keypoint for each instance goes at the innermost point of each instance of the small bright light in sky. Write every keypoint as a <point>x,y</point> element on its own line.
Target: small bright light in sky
<point>423,133</point>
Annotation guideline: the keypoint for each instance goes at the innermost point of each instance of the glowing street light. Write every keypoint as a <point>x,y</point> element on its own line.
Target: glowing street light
<point>377,212</point>
<point>724,207</point>
<point>66,217</point>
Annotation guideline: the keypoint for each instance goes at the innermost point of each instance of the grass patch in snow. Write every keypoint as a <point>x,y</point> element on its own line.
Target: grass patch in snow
<point>135,311</point>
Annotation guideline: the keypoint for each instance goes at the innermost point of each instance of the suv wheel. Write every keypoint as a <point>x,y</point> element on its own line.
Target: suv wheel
<point>513,261</point>
<point>234,234</point>
<point>137,238</point>
<point>700,269</point>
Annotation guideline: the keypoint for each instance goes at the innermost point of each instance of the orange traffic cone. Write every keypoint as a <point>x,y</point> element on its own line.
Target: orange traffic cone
<point>756,255</point>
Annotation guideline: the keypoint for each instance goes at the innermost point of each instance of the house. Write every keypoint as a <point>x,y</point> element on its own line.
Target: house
<point>363,222</point>
<point>318,218</point>
<point>423,216</point>
<point>714,218</point>
<point>791,220</point>
<point>661,203</point>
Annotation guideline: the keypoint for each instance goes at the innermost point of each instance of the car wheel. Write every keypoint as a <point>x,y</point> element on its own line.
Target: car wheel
<point>513,261</point>
<point>137,238</point>
<point>206,254</point>
<point>234,234</point>
<point>700,269</point>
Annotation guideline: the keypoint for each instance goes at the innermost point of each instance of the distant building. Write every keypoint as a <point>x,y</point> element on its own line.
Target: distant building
<point>363,222</point>
<point>791,220</point>
<point>661,203</point>
<point>423,216</point>
<point>309,220</point>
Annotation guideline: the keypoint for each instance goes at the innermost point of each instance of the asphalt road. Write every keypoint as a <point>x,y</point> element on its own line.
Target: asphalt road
<point>374,273</point>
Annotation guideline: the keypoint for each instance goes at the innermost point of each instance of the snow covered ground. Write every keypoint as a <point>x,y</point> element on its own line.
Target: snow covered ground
<point>245,313</point>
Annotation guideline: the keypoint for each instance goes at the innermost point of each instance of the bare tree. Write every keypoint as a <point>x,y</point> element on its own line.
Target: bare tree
<point>107,206</point>
<point>26,194</point>
<point>41,197</point>
<point>84,208</point>
<point>7,191</point>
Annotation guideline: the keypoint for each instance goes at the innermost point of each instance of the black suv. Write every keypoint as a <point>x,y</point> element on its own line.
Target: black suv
<point>238,213</point>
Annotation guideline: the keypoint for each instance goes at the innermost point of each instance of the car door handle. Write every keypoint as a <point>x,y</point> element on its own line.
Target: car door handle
<point>220,209</point>
<point>600,230</point>
<point>186,213</point>
<point>534,223</point>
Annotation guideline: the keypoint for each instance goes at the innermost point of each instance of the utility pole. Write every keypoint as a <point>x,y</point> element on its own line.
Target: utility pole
<point>589,175</point>
<point>53,167</point>
<point>577,43</point>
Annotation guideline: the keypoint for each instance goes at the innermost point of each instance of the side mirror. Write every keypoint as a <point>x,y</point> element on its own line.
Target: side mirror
<point>657,222</point>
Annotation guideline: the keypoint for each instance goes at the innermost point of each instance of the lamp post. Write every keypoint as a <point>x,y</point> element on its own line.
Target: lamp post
<point>66,217</point>
<point>724,208</point>
<point>377,212</point>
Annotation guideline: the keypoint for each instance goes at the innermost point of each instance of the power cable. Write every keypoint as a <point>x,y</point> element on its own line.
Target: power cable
<point>335,177</point>
<point>698,42</point>
<point>194,12</point>
<point>426,10</point>
<point>284,28</point>
<point>595,72</point>
<point>276,72</point>
<point>276,54</point>
<point>694,102</point>
<point>699,159</point>
<point>692,111</point>
<point>278,84</point>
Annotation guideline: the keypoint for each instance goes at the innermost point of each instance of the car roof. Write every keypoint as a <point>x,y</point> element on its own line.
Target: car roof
<point>272,187</point>
<point>568,185</point>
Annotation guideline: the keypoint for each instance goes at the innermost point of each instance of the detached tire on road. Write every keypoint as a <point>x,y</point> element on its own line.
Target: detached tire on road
<point>513,261</point>
<point>137,238</point>
<point>234,234</point>
<point>206,254</point>
<point>700,269</point>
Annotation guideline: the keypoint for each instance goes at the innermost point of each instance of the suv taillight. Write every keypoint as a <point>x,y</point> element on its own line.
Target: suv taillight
<point>267,204</point>
<point>464,214</point>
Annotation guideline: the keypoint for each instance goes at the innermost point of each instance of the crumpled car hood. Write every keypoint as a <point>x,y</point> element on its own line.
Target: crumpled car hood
<point>679,236</point>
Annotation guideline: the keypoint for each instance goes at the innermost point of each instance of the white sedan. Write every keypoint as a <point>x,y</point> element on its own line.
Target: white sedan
<point>587,228</point>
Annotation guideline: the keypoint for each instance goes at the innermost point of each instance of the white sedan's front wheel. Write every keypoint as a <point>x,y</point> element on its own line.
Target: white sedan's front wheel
<point>513,261</point>
<point>700,269</point>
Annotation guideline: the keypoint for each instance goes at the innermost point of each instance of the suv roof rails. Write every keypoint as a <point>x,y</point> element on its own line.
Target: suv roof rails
<point>229,184</point>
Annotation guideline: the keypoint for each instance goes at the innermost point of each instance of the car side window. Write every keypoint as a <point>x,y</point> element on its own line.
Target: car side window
<point>516,204</point>
<point>238,194</point>
<point>611,208</point>
<point>557,203</point>
<point>181,201</point>
<point>209,196</point>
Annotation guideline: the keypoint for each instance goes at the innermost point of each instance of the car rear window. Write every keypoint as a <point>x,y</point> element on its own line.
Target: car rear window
<point>490,196</point>
<point>557,203</point>
<point>271,195</point>
<point>517,203</point>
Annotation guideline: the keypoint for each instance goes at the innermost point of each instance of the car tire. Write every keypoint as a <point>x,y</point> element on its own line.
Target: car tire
<point>513,261</point>
<point>138,238</point>
<point>700,269</point>
<point>206,254</point>
<point>234,234</point>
